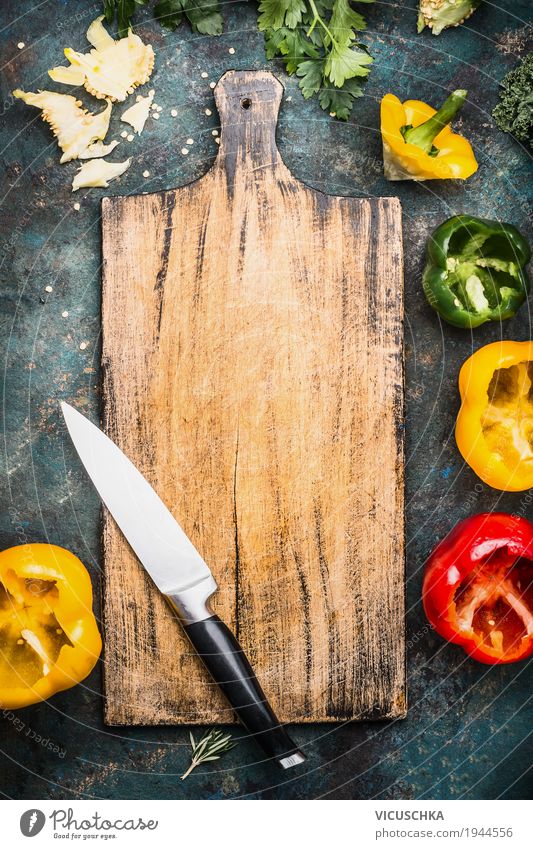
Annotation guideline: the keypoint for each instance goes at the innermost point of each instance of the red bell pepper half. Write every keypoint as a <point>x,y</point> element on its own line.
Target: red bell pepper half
<point>478,587</point>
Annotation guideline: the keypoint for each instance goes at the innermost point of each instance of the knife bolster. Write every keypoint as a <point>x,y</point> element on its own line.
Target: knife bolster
<point>192,604</point>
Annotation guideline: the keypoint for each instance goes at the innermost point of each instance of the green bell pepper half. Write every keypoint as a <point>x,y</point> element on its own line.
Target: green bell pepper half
<point>475,270</point>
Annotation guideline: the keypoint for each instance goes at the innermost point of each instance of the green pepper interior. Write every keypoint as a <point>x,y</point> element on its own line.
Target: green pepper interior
<point>31,637</point>
<point>482,271</point>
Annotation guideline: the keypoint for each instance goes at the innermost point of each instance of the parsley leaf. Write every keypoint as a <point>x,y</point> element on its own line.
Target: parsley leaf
<point>343,63</point>
<point>276,13</point>
<point>311,73</point>
<point>275,43</point>
<point>344,20</point>
<point>339,101</point>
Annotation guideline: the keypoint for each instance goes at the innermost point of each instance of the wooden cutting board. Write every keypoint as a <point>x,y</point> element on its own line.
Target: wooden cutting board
<point>252,357</point>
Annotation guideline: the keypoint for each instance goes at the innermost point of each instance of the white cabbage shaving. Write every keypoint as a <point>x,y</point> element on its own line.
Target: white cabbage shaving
<point>112,68</point>
<point>98,149</point>
<point>75,128</point>
<point>98,172</point>
<point>137,114</point>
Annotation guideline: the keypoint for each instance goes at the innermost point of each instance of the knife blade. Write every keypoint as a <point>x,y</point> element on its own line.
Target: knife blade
<point>180,573</point>
<point>151,530</point>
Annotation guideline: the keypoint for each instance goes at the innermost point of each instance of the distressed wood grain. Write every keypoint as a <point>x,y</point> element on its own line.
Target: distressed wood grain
<point>252,356</point>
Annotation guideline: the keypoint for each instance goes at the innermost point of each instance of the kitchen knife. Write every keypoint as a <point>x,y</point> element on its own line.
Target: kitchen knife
<point>183,577</point>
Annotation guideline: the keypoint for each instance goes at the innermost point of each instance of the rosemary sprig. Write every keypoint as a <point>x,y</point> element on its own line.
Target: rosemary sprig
<point>213,744</point>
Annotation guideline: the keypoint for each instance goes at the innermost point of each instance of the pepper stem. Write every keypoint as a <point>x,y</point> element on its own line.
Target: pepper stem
<point>423,135</point>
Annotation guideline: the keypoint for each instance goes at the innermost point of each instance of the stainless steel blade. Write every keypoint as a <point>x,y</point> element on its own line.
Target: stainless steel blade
<point>161,545</point>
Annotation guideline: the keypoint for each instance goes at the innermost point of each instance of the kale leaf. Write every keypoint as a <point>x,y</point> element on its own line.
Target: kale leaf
<point>514,112</point>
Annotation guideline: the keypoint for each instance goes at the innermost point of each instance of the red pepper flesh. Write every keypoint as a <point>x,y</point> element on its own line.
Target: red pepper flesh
<point>478,587</point>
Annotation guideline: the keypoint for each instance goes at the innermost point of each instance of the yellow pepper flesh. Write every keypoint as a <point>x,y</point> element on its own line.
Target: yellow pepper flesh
<point>49,639</point>
<point>494,430</point>
<point>455,159</point>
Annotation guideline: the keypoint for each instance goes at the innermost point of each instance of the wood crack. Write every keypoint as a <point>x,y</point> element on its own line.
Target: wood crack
<point>165,256</point>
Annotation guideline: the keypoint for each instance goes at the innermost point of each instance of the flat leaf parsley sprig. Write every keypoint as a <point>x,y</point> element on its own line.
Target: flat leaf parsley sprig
<point>316,40</point>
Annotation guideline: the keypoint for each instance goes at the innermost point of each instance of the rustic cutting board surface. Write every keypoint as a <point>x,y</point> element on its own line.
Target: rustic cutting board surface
<point>252,355</point>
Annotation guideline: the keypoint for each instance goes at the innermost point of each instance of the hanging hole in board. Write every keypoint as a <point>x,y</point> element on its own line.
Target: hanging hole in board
<point>246,103</point>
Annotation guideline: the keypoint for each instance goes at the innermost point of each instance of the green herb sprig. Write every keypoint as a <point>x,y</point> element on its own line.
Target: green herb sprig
<point>203,15</point>
<point>213,744</point>
<point>315,39</point>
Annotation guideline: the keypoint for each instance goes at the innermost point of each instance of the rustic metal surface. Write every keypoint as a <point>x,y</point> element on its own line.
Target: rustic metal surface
<point>466,732</point>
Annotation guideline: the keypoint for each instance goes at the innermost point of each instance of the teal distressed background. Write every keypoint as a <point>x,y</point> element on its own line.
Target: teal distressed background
<point>467,731</point>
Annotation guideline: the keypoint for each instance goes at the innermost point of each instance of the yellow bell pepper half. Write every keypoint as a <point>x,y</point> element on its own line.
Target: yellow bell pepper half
<point>49,639</point>
<point>442,155</point>
<point>494,430</point>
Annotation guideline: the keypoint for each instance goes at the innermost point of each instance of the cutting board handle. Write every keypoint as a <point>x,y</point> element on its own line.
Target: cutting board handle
<point>248,104</point>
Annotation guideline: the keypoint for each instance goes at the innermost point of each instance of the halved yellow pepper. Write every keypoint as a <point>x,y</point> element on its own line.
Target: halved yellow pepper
<point>49,639</point>
<point>433,152</point>
<point>494,430</point>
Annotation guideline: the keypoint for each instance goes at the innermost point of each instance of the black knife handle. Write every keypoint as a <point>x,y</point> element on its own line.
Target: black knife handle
<point>230,669</point>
